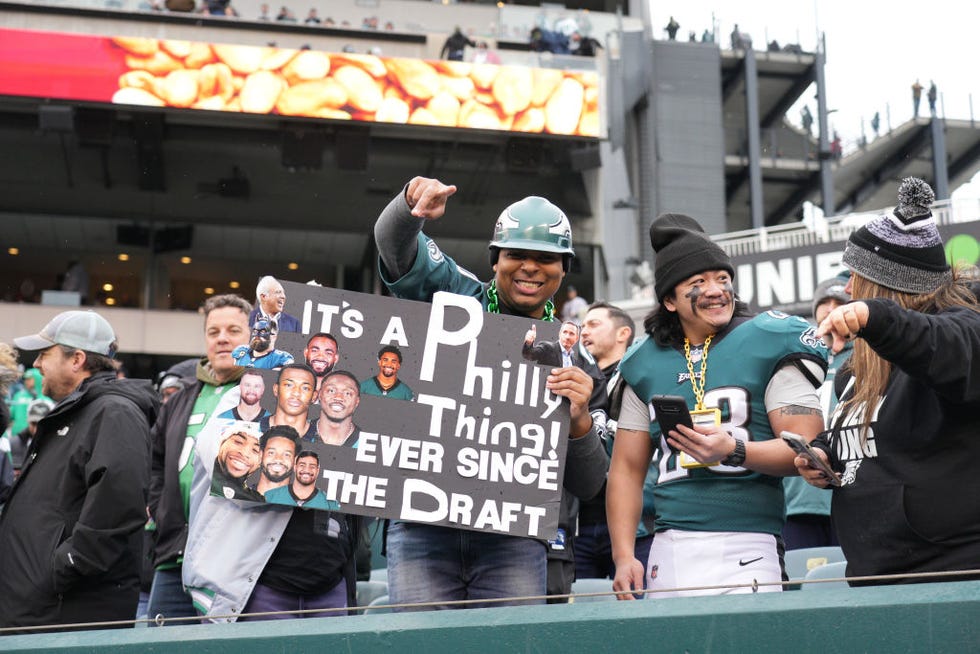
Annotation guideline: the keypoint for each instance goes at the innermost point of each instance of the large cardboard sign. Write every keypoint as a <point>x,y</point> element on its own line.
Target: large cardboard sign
<point>466,436</point>
<point>289,82</point>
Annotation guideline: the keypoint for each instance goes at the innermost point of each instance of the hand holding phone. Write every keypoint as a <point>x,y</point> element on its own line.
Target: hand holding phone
<point>672,411</point>
<point>800,445</point>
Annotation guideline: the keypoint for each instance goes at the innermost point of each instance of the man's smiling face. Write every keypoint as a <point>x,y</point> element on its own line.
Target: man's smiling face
<point>527,279</point>
<point>321,355</point>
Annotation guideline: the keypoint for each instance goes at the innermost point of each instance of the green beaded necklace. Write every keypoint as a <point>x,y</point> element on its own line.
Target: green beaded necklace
<point>493,303</point>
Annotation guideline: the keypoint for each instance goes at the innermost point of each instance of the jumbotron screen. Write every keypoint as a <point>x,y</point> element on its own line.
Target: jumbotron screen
<point>268,80</point>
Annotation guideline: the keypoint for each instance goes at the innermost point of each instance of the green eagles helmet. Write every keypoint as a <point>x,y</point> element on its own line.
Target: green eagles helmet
<point>532,224</point>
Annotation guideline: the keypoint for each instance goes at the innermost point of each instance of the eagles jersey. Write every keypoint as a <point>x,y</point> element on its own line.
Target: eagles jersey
<point>741,361</point>
<point>433,271</point>
<point>400,391</point>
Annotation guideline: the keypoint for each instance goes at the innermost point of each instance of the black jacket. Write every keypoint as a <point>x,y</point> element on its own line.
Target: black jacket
<point>910,500</point>
<point>548,353</point>
<point>70,532</point>
<point>165,501</point>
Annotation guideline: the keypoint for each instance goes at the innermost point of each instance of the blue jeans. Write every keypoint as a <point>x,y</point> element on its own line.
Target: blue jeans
<point>428,563</point>
<point>265,599</point>
<point>641,549</point>
<point>167,598</point>
<point>593,552</point>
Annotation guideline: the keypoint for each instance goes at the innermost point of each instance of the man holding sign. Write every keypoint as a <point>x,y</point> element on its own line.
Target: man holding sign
<point>530,253</point>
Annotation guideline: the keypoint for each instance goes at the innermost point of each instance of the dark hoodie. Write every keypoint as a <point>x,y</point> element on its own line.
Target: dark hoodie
<point>70,531</point>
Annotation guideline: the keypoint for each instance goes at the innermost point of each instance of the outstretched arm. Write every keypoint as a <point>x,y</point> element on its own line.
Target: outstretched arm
<point>400,222</point>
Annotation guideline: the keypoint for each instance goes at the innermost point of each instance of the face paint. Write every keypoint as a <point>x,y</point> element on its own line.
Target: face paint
<point>693,296</point>
<point>710,304</point>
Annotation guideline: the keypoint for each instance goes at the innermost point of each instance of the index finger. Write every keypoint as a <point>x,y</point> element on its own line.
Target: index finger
<point>434,197</point>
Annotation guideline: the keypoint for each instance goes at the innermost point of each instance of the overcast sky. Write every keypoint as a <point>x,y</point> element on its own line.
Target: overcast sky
<point>875,51</point>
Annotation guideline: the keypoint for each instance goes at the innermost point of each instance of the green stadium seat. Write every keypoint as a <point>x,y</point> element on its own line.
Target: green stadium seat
<point>379,605</point>
<point>800,562</point>
<point>368,591</point>
<point>592,586</point>
<point>833,570</point>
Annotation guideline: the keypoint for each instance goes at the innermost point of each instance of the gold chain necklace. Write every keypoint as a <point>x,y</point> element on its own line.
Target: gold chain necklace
<point>695,385</point>
<point>350,430</point>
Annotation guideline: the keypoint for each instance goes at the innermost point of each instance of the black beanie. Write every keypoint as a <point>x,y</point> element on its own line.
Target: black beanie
<point>682,249</point>
<point>902,251</point>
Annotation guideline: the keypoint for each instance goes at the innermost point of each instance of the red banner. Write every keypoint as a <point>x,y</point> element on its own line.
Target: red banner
<point>309,83</point>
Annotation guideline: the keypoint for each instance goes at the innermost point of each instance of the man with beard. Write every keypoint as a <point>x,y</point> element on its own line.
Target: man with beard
<point>251,388</point>
<point>607,331</point>
<point>719,493</point>
<point>339,398</point>
<point>239,455</point>
<point>261,350</point>
<point>303,491</point>
<point>71,527</point>
<point>278,452</point>
<point>306,557</point>
<point>294,393</point>
<point>270,299</point>
<point>386,383</point>
<point>321,354</point>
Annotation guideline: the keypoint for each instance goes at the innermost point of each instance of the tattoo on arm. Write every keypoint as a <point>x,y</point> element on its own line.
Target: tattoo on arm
<point>796,410</point>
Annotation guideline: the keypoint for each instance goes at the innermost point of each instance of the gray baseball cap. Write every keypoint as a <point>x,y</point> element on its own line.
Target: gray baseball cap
<point>84,330</point>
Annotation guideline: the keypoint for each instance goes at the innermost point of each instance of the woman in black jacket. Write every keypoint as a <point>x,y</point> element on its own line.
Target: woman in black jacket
<point>904,437</point>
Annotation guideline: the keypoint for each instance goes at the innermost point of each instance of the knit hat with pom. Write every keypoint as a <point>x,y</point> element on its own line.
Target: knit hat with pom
<point>902,251</point>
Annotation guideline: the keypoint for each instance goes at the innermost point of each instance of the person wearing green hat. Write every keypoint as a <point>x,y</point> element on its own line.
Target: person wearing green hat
<point>30,390</point>
<point>530,253</point>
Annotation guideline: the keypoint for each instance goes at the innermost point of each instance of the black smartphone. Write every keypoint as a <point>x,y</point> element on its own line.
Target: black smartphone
<point>800,445</point>
<point>671,410</point>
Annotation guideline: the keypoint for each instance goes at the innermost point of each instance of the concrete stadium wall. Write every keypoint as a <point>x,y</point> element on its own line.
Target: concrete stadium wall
<point>150,332</point>
<point>935,618</point>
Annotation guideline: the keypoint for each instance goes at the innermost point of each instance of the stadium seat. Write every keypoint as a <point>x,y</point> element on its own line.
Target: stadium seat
<point>379,605</point>
<point>592,586</point>
<point>368,591</point>
<point>800,562</point>
<point>833,570</point>
<point>379,574</point>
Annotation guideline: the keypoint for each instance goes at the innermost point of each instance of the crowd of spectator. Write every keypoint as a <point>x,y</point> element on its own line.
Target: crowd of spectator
<point>682,510</point>
<point>566,36</point>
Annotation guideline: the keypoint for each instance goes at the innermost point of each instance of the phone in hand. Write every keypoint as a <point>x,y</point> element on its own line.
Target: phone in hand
<point>671,411</point>
<point>800,445</point>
